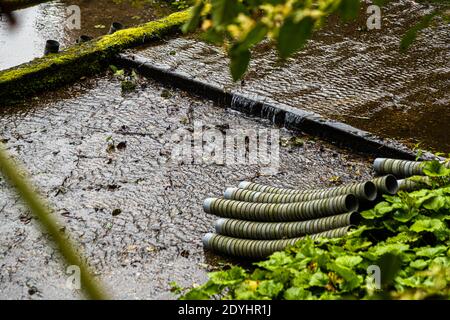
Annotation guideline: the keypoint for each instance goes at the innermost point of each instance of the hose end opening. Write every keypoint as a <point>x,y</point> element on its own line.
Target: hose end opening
<point>207,204</point>
<point>218,225</point>
<point>243,184</point>
<point>206,240</point>
<point>391,184</point>
<point>370,190</point>
<point>228,194</point>
<point>355,218</point>
<point>351,202</point>
<point>377,164</point>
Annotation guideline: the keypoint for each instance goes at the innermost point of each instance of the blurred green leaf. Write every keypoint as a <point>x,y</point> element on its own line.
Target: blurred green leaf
<point>225,11</point>
<point>349,9</point>
<point>256,35</point>
<point>240,60</point>
<point>293,35</point>
<point>194,20</point>
<point>213,36</point>
<point>390,265</point>
<point>411,34</point>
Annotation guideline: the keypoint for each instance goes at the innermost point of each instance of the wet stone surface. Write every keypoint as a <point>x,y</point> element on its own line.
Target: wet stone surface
<point>100,158</point>
<point>345,73</point>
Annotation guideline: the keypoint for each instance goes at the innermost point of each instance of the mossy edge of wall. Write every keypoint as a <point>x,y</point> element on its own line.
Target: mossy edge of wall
<point>55,70</point>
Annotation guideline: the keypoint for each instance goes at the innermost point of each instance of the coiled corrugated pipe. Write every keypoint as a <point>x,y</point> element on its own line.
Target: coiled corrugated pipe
<point>363,191</point>
<point>246,248</point>
<point>400,168</point>
<point>282,230</point>
<point>281,212</point>
<point>386,185</point>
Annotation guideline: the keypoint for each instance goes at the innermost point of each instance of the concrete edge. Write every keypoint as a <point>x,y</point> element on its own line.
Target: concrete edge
<point>85,59</point>
<point>279,114</point>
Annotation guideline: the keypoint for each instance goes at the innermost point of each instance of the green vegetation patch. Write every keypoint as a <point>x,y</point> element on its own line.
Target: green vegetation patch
<point>400,251</point>
<point>80,60</point>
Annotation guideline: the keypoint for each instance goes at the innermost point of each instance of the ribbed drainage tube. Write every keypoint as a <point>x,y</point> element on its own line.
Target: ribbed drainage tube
<point>363,191</point>
<point>386,185</point>
<point>399,168</point>
<point>281,212</point>
<point>256,249</point>
<point>282,230</point>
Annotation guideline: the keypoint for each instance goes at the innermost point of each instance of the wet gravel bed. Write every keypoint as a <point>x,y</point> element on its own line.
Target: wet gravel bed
<point>346,73</point>
<point>101,159</point>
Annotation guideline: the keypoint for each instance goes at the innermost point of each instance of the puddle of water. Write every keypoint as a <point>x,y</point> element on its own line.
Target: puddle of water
<point>355,76</point>
<point>51,20</point>
<point>62,138</point>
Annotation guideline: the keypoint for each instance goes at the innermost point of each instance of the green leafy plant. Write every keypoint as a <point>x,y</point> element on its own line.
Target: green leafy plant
<point>128,79</point>
<point>407,236</point>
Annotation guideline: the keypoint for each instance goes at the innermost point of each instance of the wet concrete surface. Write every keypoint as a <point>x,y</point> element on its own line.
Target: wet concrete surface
<point>138,218</point>
<point>52,20</point>
<point>346,73</point>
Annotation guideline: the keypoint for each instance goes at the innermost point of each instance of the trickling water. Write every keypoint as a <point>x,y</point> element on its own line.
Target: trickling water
<point>270,112</point>
<point>241,103</point>
<point>345,73</point>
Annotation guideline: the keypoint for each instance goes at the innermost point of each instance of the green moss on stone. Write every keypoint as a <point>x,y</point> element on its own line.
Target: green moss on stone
<point>80,60</point>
